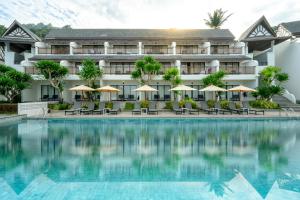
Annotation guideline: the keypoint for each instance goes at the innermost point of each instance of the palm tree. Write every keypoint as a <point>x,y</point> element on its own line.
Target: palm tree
<point>217,18</point>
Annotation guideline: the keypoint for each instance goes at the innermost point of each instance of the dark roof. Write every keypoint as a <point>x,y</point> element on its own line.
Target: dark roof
<point>139,33</point>
<point>12,27</point>
<point>261,20</point>
<point>293,27</point>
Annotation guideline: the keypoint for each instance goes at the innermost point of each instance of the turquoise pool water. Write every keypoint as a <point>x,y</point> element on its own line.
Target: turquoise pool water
<point>150,159</point>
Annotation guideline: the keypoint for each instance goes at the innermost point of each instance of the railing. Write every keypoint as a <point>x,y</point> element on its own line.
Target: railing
<point>88,51</point>
<point>125,70</point>
<point>155,50</point>
<point>73,70</point>
<point>191,50</point>
<point>239,70</point>
<point>226,51</point>
<point>31,70</point>
<point>53,51</point>
<point>198,70</point>
<point>123,51</point>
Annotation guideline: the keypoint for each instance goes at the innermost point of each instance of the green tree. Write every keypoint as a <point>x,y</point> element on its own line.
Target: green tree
<point>90,72</point>
<point>172,75</point>
<point>272,79</point>
<point>146,69</point>
<point>217,18</point>
<point>12,82</point>
<point>54,73</point>
<point>214,79</point>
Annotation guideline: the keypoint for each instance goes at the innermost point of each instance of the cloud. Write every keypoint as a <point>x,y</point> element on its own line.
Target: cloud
<point>146,13</point>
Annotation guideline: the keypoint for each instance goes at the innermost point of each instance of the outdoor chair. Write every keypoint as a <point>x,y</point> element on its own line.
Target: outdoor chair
<point>167,97</point>
<point>137,108</point>
<point>101,108</point>
<point>89,109</point>
<point>152,108</point>
<point>219,109</point>
<point>116,108</point>
<point>77,97</point>
<point>156,97</point>
<point>189,108</point>
<point>76,108</point>
<point>246,106</point>
<point>204,107</point>
<point>176,108</point>
<point>45,98</point>
<point>239,111</point>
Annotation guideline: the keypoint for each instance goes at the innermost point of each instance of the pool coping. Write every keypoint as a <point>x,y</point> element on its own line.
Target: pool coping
<point>12,118</point>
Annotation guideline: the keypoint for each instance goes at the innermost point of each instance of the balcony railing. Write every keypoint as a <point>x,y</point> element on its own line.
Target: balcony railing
<point>53,51</point>
<point>88,50</point>
<point>122,70</point>
<point>31,70</point>
<point>188,50</point>
<point>74,70</point>
<point>226,50</point>
<point>157,50</point>
<point>197,70</point>
<point>238,70</point>
<point>123,51</point>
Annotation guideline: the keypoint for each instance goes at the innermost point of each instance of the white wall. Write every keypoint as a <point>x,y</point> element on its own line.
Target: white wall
<point>287,56</point>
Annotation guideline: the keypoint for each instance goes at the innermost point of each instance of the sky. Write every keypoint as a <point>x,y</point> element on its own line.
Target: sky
<point>146,13</point>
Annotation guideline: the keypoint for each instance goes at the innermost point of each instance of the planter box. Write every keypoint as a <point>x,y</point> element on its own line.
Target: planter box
<point>8,108</point>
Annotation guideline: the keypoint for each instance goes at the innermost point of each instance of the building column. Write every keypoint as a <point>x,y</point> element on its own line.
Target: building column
<point>207,46</point>
<point>101,66</point>
<point>178,65</point>
<point>140,46</point>
<point>106,46</point>
<point>173,45</point>
<point>216,64</point>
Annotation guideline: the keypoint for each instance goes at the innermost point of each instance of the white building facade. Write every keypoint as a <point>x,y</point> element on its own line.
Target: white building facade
<point>195,52</point>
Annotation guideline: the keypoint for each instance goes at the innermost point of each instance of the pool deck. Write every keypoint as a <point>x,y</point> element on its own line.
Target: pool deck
<point>167,114</point>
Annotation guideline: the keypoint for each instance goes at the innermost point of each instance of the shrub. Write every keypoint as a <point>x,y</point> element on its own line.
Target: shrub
<point>129,106</point>
<point>169,105</point>
<point>237,105</point>
<point>211,103</point>
<point>59,106</point>
<point>265,104</point>
<point>109,105</point>
<point>187,100</point>
<point>144,104</point>
<point>224,104</point>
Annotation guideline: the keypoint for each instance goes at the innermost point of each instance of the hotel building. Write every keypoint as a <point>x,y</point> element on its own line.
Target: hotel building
<point>195,52</point>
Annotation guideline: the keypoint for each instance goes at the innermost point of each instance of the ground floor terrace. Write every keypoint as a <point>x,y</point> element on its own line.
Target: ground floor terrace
<point>41,90</point>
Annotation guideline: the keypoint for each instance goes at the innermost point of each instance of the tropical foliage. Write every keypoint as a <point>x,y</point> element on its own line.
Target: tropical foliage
<point>2,29</point>
<point>42,29</point>
<point>214,79</point>
<point>172,75</point>
<point>146,69</point>
<point>271,83</point>
<point>12,82</point>
<point>264,104</point>
<point>90,72</point>
<point>217,18</point>
<point>54,73</point>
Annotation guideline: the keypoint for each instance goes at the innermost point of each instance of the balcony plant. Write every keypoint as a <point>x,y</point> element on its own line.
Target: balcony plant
<point>145,70</point>
<point>12,82</point>
<point>54,73</point>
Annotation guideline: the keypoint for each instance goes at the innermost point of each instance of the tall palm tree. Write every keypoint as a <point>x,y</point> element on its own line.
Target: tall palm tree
<point>217,18</point>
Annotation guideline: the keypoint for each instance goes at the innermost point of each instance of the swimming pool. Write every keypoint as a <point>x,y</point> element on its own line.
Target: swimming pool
<point>150,159</point>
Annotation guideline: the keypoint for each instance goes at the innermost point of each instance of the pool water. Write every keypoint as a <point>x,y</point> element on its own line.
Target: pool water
<point>150,159</point>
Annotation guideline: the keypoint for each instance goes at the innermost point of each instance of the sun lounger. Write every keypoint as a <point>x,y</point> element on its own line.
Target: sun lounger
<point>189,108</point>
<point>204,107</point>
<point>152,108</point>
<point>221,110</point>
<point>247,106</point>
<point>101,108</point>
<point>89,109</point>
<point>239,111</point>
<point>137,108</point>
<point>75,109</point>
<point>116,108</point>
<point>176,108</point>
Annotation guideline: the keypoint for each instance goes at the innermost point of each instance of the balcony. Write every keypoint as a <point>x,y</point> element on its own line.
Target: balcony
<point>157,49</point>
<point>238,69</point>
<point>54,50</point>
<point>194,70</point>
<point>192,49</point>
<point>122,69</point>
<point>31,70</point>
<point>225,50</point>
<point>123,49</point>
<point>89,49</point>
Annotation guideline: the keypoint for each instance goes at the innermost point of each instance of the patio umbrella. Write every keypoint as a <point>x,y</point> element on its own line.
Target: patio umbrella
<point>182,88</point>
<point>109,89</point>
<point>213,88</point>
<point>241,89</point>
<point>82,88</point>
<point>145,88</point>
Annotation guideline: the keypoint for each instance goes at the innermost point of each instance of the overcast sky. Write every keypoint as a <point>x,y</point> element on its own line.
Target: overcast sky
<point>146,13</point>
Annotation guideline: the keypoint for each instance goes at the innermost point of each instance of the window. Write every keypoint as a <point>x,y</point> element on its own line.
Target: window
<point>48,93</point>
